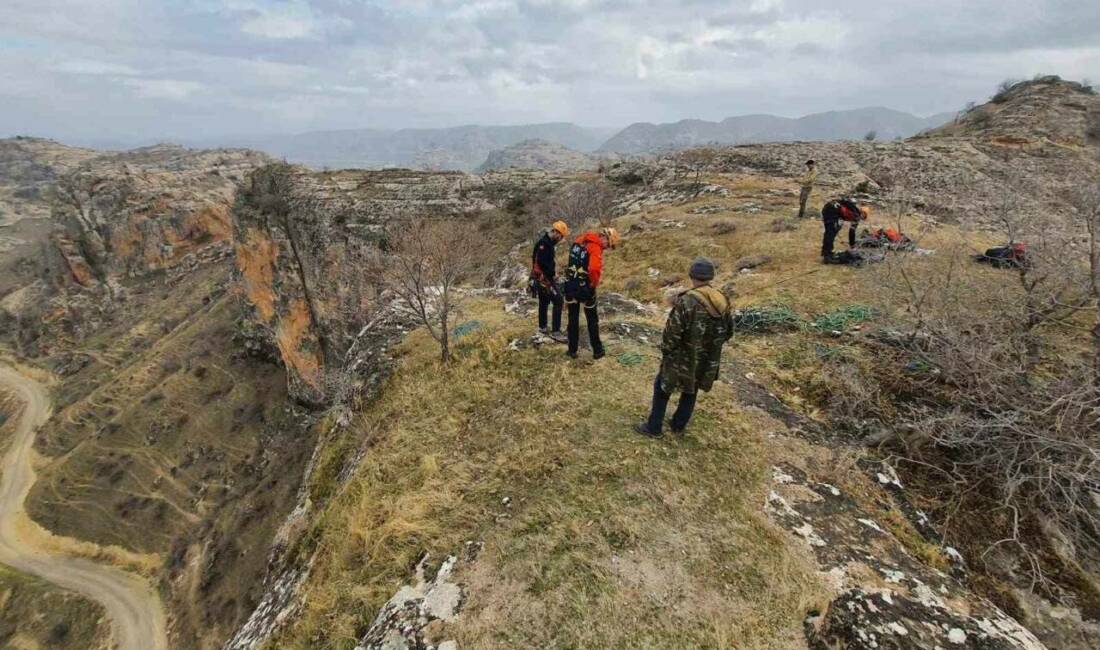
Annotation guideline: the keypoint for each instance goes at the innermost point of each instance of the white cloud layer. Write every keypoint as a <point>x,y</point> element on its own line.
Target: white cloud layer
<point>159,68</point>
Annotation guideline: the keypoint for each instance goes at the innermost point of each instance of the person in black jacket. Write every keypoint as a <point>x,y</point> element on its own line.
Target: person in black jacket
<point>544,277</point>
<point>832,214</point>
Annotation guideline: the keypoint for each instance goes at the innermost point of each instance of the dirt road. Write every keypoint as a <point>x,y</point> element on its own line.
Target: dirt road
<point>135,610</point>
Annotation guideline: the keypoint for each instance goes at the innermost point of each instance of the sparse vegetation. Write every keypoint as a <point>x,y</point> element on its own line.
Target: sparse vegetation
<point>870,136</point>
<point>1004,89</point>
<point>578,203</point>
<point>35,614</point>
<point>580,518</point>
<point>428,259</point>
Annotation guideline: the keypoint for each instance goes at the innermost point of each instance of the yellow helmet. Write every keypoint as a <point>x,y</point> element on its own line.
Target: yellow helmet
<point>561,228</point>
<point>865,211</point>
<point>613,237</point>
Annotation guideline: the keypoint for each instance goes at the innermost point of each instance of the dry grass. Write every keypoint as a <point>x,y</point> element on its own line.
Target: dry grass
<point>34,614</point>
<point>609,539</point>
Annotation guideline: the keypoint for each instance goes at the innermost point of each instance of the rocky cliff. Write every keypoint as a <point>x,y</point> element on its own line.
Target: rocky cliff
<point>28,169</point>
<point>101,220</point>
<point>307,251</point>
<point>145,210</point>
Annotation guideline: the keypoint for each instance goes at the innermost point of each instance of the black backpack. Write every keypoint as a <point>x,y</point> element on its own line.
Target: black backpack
<point>576,274</point>
<point>577,269</point>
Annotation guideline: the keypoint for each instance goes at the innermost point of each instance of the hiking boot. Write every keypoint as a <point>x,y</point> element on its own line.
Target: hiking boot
<point>558,337</point>
<point>544,330</point>
<point>598,354</point>
<point>571,354</point>
<point>673,429</point>
<point>643,428</point>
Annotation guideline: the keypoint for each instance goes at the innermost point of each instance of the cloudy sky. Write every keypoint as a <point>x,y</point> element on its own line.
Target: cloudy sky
<point>83,70</point>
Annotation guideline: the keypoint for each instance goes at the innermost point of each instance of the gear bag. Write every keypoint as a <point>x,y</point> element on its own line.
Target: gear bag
<point>1008,256</point>
<point>576,274</point>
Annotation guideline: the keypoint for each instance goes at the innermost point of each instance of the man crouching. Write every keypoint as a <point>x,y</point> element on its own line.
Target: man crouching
<point>698,327</point>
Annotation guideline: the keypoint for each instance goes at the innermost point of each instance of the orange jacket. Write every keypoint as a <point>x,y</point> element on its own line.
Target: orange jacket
<point>591,241</point>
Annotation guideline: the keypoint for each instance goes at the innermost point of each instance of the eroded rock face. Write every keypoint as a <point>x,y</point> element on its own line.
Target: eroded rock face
<point>144,210</point>
<point>884,596</point>
<point>307,251</point>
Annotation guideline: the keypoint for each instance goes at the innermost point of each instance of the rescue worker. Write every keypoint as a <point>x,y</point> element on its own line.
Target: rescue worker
<point>544,277</point>
<point>698,327</point>
<point>806,182</point>
<point>582,276</point>
<point>832,214</point>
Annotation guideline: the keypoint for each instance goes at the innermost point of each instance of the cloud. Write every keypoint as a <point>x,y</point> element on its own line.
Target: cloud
<point>164,88</point>
<point>293,65</point>
<point>291,20</point>
<point>92,67</point>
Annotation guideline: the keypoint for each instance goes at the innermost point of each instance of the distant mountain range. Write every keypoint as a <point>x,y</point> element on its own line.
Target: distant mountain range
<point>643,137</point>
<point>469,147</point>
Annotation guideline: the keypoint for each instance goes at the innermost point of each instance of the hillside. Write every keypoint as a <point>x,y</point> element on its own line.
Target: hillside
<point>245,414</point>
<point>887,124</point>
<point>457,148</point>
<point>1046,109</point>
<point>503,501</point>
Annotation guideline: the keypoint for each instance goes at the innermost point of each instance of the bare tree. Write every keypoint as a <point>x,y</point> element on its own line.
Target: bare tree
<point>579,203</point>
<point>428,259</point>
<point>1004,410</point>
<point>696,161</point>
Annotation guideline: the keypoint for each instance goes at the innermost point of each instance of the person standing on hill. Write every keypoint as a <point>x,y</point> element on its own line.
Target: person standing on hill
<point>691,350</point>
<point>544,277</point>
<point>832,214</point>
<point>582,276</point>
<point>806,182</point>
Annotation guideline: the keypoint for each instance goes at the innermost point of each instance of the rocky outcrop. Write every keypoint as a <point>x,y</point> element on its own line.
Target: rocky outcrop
<point>404,621</point>
<point>128,214</point>
<point>28,169</point>
<point>884,597</point>
<point>1046,110</point>
<point>538,154</point>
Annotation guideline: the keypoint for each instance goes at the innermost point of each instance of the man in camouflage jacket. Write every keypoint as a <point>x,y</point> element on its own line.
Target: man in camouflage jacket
<point>698,327</point>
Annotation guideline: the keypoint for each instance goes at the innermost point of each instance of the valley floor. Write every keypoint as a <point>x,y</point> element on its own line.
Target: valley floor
<point>137,618</point>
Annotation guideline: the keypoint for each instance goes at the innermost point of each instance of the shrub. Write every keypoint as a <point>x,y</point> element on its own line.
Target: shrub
<point>1004,89</point>
<point>766,318</point>
<point>724,227</point>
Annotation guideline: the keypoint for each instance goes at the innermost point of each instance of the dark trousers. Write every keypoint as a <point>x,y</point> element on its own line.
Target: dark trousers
<point>680,418</point>
<point>832,229</point>
<point>573,328</point>
<point>803,196</point>
<point>549,297</point>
